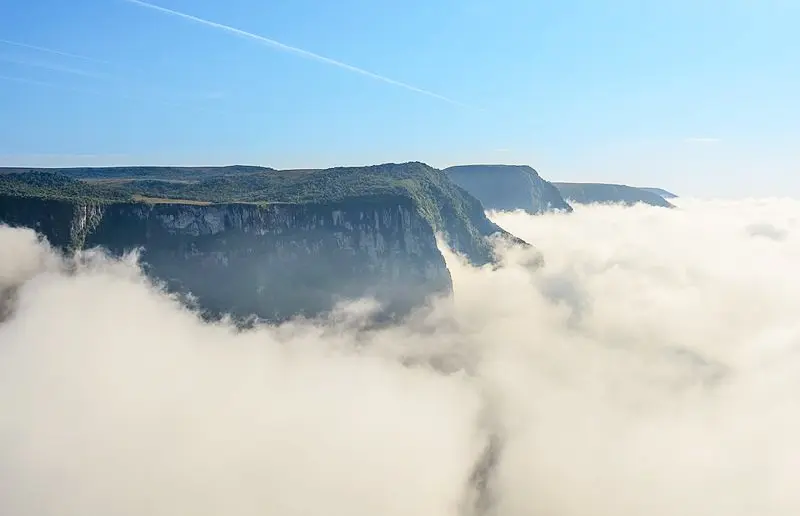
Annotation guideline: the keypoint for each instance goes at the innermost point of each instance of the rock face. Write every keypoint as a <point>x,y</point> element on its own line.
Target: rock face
<point>508,188</point>
<point>591,193</point>
<point>275,260</point>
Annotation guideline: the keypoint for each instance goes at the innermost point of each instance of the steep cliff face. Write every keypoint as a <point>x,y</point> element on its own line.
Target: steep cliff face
<point>589,193</point>
<point>273,244</point>
<point>508,188</point>
<point>64,223</point>
<point>276,261</point>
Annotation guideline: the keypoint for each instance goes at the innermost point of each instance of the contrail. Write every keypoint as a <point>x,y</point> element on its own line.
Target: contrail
<point>298,51</point>
<point>54,68</point>
<point>53,51</point>
<point>28,81</point>
<point>62,87</point>
<point>106,94</point>
<point>58,68</point>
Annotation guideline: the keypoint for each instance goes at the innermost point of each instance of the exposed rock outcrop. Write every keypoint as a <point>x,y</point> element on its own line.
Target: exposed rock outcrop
<point>276,259</point>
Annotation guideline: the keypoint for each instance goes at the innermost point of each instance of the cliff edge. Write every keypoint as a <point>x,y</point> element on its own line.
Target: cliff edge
<point>269,243</point>
<point>509,188</point>
<point>666,194</point>
<point>592,193</point>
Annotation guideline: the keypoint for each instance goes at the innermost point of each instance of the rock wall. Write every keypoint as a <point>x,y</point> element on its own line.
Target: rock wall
<point>601,193</point>
<point>509,188</point>
<point>276,261</point>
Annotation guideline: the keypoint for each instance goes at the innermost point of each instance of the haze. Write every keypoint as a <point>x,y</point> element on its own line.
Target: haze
<point>695,97</point>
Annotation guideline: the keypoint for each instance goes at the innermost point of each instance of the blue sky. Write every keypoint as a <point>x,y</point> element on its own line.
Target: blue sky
<point>696,96</point>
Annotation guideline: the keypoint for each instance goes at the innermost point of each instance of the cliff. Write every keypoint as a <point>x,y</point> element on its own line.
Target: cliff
<point>660,191</point>
<point>591,193</point>
<point>296,246</point>
<point>508,188</point>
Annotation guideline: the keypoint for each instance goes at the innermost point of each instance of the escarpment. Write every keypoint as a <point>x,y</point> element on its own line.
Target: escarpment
<point>602,193</point>
<point>509,188</point>
<point>271,244</point>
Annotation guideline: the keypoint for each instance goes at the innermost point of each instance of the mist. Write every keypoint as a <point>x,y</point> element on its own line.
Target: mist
<point>652,366</point>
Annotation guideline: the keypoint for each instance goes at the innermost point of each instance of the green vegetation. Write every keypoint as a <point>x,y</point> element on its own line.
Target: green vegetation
<point>414,180</point>
<point>446,206</point>
<point>137,173</point>
<point>508,188</point>
<point>330,185</point>
<point>589,193</point>
<point>52,186</point>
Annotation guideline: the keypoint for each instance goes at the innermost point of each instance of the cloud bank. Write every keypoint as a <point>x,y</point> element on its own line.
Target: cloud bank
<point>651,367</point>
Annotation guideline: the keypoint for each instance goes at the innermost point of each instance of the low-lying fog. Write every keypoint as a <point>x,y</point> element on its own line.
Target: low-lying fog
<point>652,367</point>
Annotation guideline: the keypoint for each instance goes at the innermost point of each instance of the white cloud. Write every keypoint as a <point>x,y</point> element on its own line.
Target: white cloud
<point>650,368</point>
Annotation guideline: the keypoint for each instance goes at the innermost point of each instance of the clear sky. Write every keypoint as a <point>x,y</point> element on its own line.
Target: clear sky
<point>697,96</point>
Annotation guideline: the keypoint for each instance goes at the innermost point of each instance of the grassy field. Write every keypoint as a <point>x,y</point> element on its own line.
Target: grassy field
<point>157,200</point>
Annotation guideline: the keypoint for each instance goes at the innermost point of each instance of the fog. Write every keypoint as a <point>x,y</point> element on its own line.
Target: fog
<point>652,366</point>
